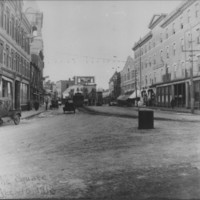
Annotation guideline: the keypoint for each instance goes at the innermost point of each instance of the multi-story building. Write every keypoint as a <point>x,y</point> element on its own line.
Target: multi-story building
<point>14,53</point>
<point>115,85</point>
<point>168,57</point>
<point>62,85</point>
<point>35,18</point>
<point>128,77</point>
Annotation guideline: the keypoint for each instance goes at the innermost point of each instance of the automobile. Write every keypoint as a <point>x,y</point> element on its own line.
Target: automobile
<point>7,113</point>
<point>69,106</point>
<point>59,102</point>
<point>113,103</point>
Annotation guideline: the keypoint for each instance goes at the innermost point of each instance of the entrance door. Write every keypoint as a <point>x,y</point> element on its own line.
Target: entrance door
<point>17,94</point>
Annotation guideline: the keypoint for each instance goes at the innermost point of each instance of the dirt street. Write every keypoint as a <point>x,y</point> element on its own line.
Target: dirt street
<point>82,156</point>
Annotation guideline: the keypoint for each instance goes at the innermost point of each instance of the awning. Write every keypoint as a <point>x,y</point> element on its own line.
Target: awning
<point>135,94</point>
<point>123,97</point>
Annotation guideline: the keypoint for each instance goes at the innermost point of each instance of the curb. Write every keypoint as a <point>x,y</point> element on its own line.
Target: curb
<point>95,112</point>
<point>32,115</point>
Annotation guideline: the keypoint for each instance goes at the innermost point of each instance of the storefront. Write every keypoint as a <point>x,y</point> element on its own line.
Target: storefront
<point>176,91</point>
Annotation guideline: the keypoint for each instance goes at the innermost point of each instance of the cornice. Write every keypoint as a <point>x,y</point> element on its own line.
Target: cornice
<point>146,38</point>
<point>174,14</point>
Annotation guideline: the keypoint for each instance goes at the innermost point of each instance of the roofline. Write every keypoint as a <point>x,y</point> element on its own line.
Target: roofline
<point>147,37</point>
<point>178,11</point>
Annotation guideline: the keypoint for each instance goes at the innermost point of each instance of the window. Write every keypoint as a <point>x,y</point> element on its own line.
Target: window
<point>5,20</point>
<point>182,44</point>
<point>1,52</point>
<point>198,36</point>
<point>181,22</point>
<point>189,40</point>
<point>7,56</point>
<point>13,27</point>
<point>154,43</point>
<point>8,21</point>
<point>173,29</point>
<point>161,55</point>
<point>197,10</point>
<point>149,61</point>
<point>175,69</point>
<point>12,59</point>
<point>167,52</point>
<point>188,16</point>
<point>1,14</point>
<point>174,49</point>
<point>154,60</point>
<point>167,33</point>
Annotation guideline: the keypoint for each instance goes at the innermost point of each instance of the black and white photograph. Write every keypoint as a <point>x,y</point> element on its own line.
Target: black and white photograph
<point>100,99</point>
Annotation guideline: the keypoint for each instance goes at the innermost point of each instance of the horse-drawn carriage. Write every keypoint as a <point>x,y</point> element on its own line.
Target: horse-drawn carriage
<point>6,111</point>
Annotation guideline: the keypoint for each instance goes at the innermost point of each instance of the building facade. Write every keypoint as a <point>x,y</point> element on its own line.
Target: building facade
<point>128,77</point>
<point>35,18</point>
<point>168,57</point>
<point>14,53</point>
<point>62,85</point>
<point>115,85</point>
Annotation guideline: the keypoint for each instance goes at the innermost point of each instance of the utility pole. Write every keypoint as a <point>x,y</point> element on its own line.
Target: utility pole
<point>191,51</point>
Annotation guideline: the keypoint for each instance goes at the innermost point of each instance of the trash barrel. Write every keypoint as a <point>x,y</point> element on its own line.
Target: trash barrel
<point>145,119</point>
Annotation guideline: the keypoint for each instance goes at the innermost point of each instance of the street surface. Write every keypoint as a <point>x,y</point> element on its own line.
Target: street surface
<point>83,156</point>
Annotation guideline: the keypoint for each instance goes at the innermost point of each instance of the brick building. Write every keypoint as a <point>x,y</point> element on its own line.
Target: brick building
<point>14,53</point>
<point>167,58</point>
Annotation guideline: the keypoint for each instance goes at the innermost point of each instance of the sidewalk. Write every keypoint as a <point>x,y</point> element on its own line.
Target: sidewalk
<point>32,113</point>
<point>171,115</point>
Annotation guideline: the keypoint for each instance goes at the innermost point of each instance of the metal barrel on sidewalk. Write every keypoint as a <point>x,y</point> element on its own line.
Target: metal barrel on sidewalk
<point>145,119</point>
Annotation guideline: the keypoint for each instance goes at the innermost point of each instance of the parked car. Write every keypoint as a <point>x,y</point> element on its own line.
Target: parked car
<point>59,102</point>
<point>113,103</point>
<point>7,113</point>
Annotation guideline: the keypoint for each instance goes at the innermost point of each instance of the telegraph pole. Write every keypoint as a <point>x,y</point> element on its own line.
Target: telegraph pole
<point>191,51</point>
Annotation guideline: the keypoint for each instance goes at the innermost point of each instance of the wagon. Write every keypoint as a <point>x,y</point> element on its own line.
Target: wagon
<point>6,111</point>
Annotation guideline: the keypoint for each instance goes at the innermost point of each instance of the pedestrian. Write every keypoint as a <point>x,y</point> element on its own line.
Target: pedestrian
<point>172,103</point>
<point>47,102</point>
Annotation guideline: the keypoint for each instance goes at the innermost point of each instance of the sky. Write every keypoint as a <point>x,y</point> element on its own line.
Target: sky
<point>94,38</point>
